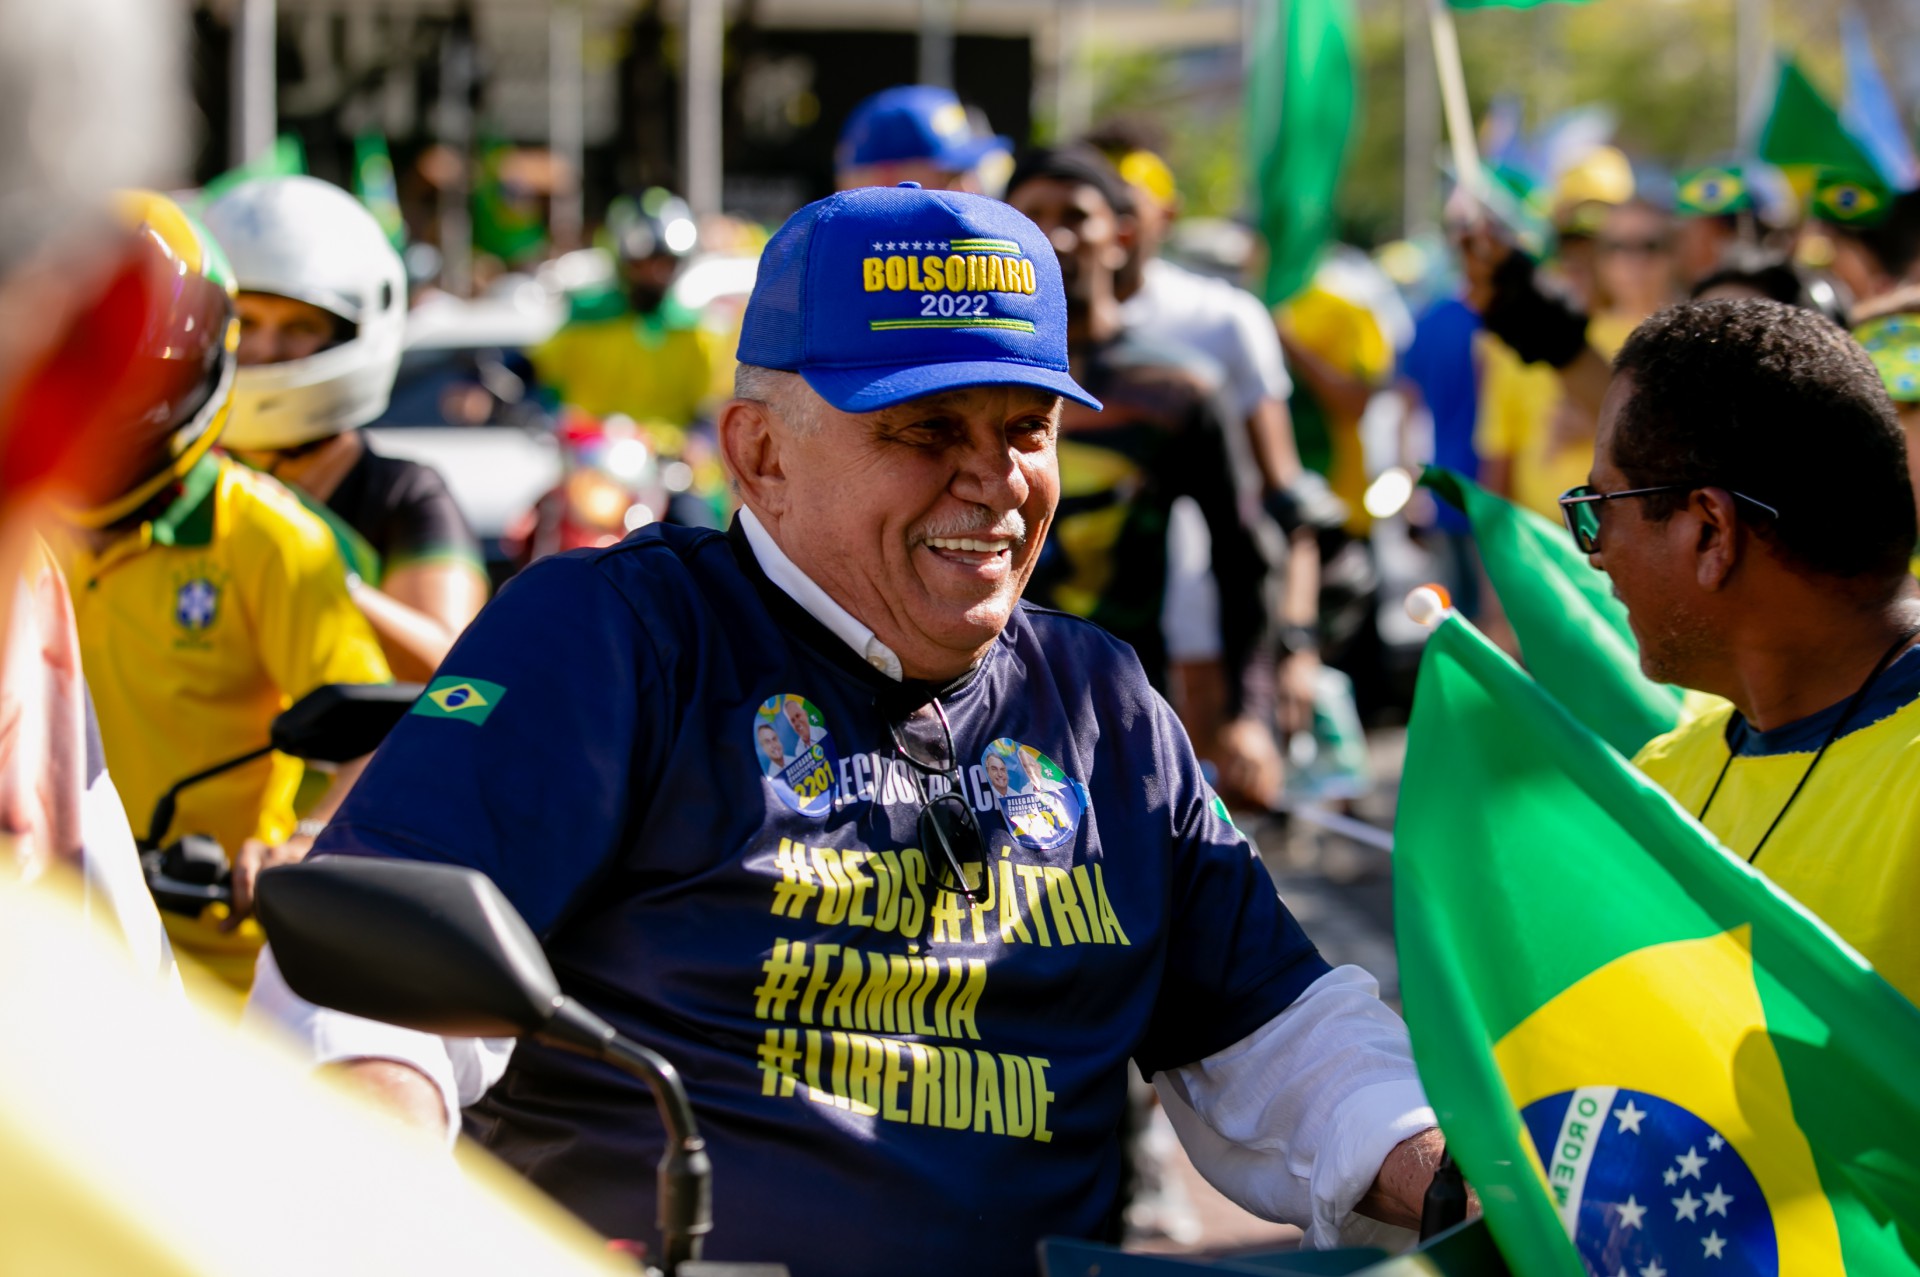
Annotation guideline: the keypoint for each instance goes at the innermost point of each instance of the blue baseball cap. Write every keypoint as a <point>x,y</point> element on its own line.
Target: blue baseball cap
<point>913,122</point>
<point>887,293</point>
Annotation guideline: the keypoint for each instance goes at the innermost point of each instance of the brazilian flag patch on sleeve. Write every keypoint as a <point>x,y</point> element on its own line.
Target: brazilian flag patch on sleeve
<point>467,699</point>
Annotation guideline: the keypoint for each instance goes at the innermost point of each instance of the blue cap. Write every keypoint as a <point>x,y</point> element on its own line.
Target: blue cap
<point>888,293</point>
<point>912,122</point>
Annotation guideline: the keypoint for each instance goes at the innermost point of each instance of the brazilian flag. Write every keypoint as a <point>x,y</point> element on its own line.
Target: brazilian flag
<point>1572,630</point>
<point>1646,1057</point>
<point>375,185</point>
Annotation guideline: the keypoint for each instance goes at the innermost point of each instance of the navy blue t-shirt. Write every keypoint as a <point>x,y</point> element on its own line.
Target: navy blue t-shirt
<point>691,790</point>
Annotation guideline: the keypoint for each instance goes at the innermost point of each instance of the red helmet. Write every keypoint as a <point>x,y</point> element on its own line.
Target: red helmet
<point>139,390</point>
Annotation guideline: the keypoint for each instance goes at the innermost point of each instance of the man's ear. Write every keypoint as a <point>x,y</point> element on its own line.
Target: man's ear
<point>750,444</point>
<point>1719,542</point>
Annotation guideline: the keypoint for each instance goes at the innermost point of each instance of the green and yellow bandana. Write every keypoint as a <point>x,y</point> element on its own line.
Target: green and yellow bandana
<point>1849,199</point>
<point>1894,343</point>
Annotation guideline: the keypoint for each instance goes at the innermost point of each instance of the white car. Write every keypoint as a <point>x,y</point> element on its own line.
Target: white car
<point>464,404</point>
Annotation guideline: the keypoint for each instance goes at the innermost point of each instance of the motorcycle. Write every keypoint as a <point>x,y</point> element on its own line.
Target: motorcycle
<point>438,948</point>
<point>618,475</point>
<point>333,723</point>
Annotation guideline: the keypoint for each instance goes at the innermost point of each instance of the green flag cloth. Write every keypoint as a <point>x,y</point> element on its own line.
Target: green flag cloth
<point>1299,111</point>
<point>1572,630</point>
<point>374,185</point>
<point>509,220</point>
<point>287,157</point>
<point>1803,128</point>
<point>1633,1040</point>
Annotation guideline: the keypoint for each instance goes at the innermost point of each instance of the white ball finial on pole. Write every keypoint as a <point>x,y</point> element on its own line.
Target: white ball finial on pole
<point>1428,604</point>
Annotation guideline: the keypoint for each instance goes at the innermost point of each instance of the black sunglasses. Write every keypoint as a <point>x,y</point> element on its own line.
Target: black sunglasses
<point>1580,507</point>
<point>946,820</point>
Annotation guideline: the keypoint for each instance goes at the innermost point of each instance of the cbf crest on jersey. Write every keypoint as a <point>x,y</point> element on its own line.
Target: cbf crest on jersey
<point>199,593</point>
<point>791,741</point>
<point>196,604</point>
<point>1041,804</point>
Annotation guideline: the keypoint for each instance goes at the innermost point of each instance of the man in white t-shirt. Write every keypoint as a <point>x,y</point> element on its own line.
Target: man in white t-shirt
<point>1231,327</point>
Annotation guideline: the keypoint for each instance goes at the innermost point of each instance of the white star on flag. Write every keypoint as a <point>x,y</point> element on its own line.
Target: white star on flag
<point>1714,1244</point>
<point>1715,1143</point>
<point>1686,1206</point>
<point>1653,1270</point>
<point>945,246</point>
<point>891,246</point>
<point>1690,1163</point>
<point>1629,1118</point>
<point>1671,1176</point>
<point>1630,1213</point>
<point>876,246</point>
<point>1717,1201</point>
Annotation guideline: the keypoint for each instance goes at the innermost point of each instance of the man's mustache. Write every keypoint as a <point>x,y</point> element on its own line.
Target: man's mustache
<point>980,524</point>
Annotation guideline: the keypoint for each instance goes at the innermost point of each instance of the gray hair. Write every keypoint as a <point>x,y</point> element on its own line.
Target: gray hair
<point>787,394</point>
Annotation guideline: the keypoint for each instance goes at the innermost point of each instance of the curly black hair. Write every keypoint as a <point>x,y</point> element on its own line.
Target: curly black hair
<point>1778,403</point>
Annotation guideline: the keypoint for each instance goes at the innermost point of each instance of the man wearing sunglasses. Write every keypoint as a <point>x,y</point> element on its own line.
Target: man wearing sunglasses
<point>903,1001</point>
<point>1749,499</point>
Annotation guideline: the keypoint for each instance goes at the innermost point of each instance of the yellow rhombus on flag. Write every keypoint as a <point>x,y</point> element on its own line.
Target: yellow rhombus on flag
<point>1648,1059</point>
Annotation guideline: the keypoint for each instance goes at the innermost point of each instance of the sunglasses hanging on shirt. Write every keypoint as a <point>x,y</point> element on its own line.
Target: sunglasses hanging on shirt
<point>950,833</point>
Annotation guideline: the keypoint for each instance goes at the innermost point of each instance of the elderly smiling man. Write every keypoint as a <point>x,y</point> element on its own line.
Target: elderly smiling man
<point>903,1000</point>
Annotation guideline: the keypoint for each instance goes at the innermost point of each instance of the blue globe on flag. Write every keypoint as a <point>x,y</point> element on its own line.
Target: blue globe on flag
<point>1646,1189</point>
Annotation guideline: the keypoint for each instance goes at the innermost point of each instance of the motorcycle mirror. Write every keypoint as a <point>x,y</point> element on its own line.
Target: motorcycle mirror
<point>336,722</point>
<point>429,947</point>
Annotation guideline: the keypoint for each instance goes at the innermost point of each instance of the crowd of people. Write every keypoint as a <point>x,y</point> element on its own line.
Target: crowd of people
<point>889,786</point>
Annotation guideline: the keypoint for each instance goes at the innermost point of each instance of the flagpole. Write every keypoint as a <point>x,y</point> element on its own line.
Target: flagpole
<point>1453,99</point>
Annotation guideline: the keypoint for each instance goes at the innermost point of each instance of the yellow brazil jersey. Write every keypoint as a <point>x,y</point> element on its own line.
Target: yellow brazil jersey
<point>1344,333</point>
<point>196,629</point>
<point>663,367</point>
<point>1849,847</point>
<point>1525,418</point>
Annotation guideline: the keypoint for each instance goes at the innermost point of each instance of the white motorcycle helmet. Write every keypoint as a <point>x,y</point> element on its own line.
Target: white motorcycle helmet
<point>303,238</point>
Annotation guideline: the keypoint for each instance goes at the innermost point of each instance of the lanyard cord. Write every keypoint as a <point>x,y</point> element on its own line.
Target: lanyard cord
<point>1840,724</point>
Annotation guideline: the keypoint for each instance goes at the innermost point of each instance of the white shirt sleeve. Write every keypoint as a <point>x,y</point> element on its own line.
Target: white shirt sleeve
<point>462,1068</point>
<point>111,862</point>
<point>1293,1121</point>
<point>1262,342</point>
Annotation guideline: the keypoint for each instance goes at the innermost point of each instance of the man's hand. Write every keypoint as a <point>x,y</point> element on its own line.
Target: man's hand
<point>1399,1191</point>
<point>400,1089</point>
<point>1249,763</point>
<point>255,856</point>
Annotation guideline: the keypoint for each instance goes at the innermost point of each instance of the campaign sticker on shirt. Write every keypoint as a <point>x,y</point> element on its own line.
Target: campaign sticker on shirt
<point>1041,804</point>
<point>790,739</point>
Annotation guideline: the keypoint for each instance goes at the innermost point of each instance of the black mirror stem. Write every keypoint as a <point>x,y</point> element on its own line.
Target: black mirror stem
<point>162,820</point>
<point>1446,1200</point>
<point>686,1176</point>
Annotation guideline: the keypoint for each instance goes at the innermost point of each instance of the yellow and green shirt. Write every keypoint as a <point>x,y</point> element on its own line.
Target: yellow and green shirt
<point>1521,406</point>
<point>1346,334</point>
<point>196,629</point>
<point>659,367</point>
<point>1849,847</point>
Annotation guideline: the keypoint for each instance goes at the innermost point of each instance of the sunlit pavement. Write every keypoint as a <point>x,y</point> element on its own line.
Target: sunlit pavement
<point>1343,895</point>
